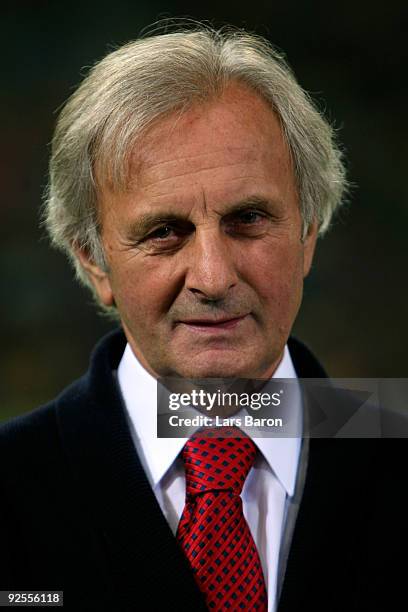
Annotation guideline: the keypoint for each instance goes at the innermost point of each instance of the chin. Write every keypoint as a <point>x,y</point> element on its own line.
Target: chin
<point>217,368</point>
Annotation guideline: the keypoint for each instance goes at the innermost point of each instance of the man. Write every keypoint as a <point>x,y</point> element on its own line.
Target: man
<point>190,177</point>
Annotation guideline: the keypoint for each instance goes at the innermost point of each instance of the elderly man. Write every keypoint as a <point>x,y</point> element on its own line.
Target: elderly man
<point>190,177</point>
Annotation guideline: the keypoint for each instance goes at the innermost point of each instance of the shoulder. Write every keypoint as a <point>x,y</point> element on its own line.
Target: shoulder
<point>41,419</point>
<point>30,443</point>
<point>305,362</point>
<point>104,358</point>
<point>32,440</point>
<point>16,435</point>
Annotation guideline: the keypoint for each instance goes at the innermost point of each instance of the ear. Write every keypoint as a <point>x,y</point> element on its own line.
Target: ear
<point>98,277</point>
<point>309,244</point>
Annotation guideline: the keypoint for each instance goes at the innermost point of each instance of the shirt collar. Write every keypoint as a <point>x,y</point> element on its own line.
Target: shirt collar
<point>139,391</point>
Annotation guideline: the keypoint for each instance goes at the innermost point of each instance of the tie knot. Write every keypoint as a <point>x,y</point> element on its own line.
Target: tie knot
<point>219,459</point>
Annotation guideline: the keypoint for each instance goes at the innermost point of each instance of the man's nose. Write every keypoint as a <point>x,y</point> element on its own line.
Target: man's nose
<point>211,267</point>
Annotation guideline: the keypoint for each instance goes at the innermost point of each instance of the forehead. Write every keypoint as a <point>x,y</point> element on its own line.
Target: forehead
<point>234,130</point>
<point>217,152</point>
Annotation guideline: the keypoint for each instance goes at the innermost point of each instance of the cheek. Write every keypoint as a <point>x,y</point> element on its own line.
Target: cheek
<point>277,278</point>
<point>143,291</point>
<point>277,274</point>
<point>281,299</point>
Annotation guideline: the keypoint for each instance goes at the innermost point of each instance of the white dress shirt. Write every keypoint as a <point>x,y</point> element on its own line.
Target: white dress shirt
<point>268,484</point>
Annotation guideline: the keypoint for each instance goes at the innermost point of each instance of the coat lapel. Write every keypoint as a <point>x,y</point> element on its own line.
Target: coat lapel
<point>320,573</point>
<point>119,502</point>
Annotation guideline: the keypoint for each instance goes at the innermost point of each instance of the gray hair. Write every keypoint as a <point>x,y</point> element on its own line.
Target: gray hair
<point>142,81</point>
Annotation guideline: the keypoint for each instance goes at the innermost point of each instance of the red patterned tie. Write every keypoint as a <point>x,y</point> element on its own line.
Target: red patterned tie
<point>213,531</point>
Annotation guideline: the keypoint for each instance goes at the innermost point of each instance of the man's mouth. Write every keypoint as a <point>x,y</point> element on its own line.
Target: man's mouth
<point>207,324</point>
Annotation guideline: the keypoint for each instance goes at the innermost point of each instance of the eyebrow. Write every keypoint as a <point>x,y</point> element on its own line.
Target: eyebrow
<point>149,220</point>
<point>259,202</point>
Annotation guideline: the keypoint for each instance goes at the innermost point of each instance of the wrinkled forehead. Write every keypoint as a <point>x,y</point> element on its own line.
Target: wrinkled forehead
<point>238,128</point>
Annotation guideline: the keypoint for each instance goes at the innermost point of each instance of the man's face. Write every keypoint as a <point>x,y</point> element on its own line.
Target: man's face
<point>206,262</point>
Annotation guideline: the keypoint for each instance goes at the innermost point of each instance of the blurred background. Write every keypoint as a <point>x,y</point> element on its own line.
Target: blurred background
<point>351,56</point>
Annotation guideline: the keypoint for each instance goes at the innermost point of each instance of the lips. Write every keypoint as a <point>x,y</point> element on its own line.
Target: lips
<point>208,324</point>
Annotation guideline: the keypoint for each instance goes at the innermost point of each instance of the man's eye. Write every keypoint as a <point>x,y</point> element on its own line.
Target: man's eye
<point>161,233</point>
<point>249,217</point>
<point>248,223</point>
<point>165,238</point>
